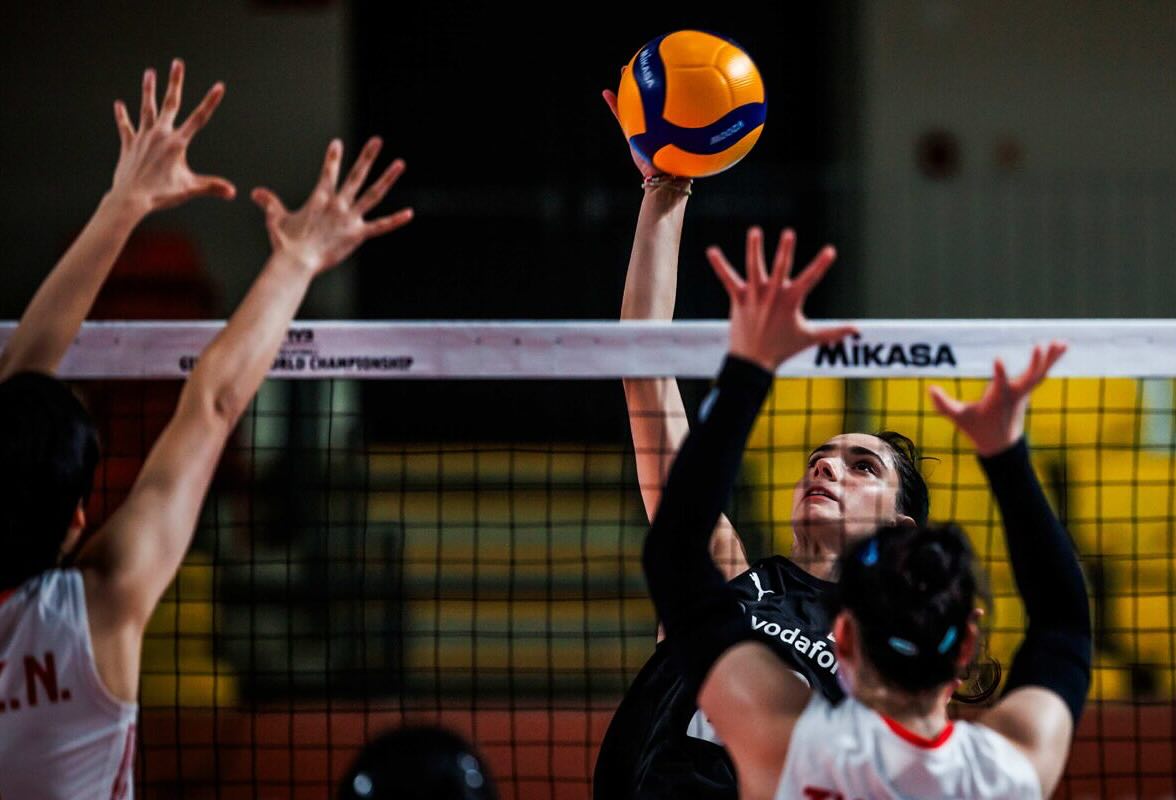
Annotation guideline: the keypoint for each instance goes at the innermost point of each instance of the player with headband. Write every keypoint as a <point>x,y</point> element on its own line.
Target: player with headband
<point>904,623</point>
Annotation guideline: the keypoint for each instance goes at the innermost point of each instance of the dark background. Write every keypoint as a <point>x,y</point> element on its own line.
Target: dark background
<point>526,196</point>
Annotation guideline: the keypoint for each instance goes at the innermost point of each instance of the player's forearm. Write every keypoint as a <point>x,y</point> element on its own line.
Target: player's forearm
<point>657,417</point>
<point>698,609</point>
<point>232,367</point>
<point>651,283</point>
<point>1056,652</point>
<point>53,317</point>
<point>657,421</point>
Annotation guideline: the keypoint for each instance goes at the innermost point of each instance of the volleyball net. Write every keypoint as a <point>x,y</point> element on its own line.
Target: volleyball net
<point>397,534</point>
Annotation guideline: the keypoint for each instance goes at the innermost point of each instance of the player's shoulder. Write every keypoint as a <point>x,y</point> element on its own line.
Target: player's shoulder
<point>52,593</point>
<point>987,745</point>
<point>783,574</point>
<point>995,761</point>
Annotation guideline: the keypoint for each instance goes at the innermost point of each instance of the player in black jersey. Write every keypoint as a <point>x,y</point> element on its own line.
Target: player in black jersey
<point>659,744</point>
<point>905,618</point>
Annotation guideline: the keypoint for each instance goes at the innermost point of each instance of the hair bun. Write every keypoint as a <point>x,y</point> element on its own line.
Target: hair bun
<point>929,566</point>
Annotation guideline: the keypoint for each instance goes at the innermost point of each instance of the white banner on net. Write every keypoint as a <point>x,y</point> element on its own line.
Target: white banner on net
<point>886,348</point>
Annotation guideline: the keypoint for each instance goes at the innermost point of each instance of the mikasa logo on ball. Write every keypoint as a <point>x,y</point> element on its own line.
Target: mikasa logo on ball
<point>646,72</point>
<point>718,137</point>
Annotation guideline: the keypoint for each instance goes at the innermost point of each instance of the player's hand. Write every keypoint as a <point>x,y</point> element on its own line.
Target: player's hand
<point>646,169</point>
<point>152,171</point>
<point>996,421</point>
<point>330,225</point>
<point>768,325</point>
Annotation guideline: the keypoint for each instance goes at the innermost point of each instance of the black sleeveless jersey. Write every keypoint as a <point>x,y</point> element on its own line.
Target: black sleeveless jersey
<point>659,745</point>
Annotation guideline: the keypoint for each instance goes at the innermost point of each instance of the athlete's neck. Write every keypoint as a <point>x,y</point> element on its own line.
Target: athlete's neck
<point>815,556</point>
<point>923,713</point>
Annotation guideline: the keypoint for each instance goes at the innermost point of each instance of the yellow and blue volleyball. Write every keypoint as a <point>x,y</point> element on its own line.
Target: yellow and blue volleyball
<point>692,103</point>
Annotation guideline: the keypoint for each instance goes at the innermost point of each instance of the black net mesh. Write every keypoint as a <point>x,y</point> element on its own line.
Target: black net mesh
<point>341,584</point>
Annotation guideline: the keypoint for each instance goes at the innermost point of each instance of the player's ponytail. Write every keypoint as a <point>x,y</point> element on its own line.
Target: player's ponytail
<point>912,591</point>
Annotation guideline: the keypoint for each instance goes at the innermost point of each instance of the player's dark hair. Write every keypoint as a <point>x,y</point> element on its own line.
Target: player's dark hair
<point>913,500</point>
<point>48,454</point>
<point>418,763</point>
<point>911,591</point>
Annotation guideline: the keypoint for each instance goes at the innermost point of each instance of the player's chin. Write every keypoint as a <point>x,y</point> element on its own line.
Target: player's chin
<point>818,522</point>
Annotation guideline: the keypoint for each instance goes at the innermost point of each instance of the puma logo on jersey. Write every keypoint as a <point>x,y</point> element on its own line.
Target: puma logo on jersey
<point>755,578</point>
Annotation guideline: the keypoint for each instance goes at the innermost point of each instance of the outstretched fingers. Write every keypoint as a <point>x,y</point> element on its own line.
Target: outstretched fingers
<point>782,261</point>
<point>270,203</point>
<point>757,274</point>
<point>147,109</point>
<point>359,170</point>
<point>833,334</point>
<point>122,121</point>
<point>174,93</point>
<point>1039,366</point>
<point>945,404</point>
<point>725,273</point>
<point>203,112</point>
<point>1055,351</point>
<point>329,176</point>
<point>807,280</point>
<point>376,192</point>
<point>378,227</point>
<point>214,186</point>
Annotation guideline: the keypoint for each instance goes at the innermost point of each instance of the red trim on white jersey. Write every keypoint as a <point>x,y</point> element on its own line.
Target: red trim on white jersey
<point>916,739</point>
<point>122,779</point>
<point>4,595</point>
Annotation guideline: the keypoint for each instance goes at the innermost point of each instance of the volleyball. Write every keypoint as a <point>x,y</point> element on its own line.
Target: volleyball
<point>691,103</point>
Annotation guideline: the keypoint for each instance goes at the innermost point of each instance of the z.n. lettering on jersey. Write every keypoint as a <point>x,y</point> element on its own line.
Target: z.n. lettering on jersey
<point>38,680</point>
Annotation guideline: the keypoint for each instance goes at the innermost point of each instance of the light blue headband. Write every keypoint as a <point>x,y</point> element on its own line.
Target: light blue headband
<point>948,639</point>
<point>902,647</point>
<point>909,649</point>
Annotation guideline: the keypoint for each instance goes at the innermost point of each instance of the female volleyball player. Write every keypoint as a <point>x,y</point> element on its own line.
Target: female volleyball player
<point>905,620</point>
<point>71,628</point>
<point>658,744</point>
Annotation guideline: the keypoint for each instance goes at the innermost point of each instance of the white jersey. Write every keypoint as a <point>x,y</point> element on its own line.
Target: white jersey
<point>62,734</point>
<point>851,752</point>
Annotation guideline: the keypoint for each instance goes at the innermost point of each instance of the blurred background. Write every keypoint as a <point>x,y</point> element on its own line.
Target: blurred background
<point>412,541</point>
<point>969,159</point>
<point>947,146</point>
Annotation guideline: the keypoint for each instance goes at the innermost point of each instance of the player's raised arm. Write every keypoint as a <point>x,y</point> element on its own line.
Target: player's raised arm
<point>135,555</point>
<point>657,416</point>
<point>152,174</point>
<point>705,625</point>
<point>1050,673</point>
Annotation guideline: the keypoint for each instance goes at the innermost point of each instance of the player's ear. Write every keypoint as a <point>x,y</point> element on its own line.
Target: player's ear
<point>845,637</point>
<point>73,534</point>
<point>903,521</point>
<point>971,640</point>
